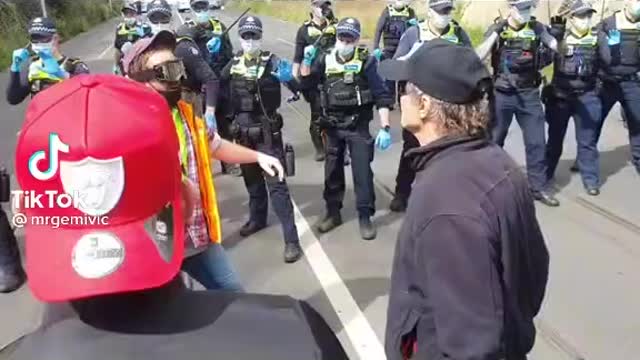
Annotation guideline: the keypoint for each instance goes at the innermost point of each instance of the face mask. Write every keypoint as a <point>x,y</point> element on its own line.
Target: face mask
<point>172,96</point>
<point>318,13</point>
<point>156,28</point>
<point>202,17</point>
<point>581,25</point>
<point>439,21</point>
<point>344,49</point>
<point>250,46</point>
<point>521,16</point>
<point>43,48</point>
<point>130,21</point>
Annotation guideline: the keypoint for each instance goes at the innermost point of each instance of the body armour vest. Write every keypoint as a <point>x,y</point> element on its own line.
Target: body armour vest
<point>517,61</point>
<point>626,57</point>
<point>451,35</point>
<point>346,89</point>
<point>576,64</point>
<point>326,36</point>
<point>396,26</point>
<point>252,86</point>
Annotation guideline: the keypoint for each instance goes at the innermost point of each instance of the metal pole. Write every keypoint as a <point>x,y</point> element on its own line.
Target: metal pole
<point>44,8</point>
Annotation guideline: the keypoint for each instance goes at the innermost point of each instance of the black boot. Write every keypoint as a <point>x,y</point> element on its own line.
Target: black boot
<point>398,204</point>
<point>292,252</point>
<point>546,198</point>
<point>574,168</point>
<point>316,139</point>
<point>330,222</point>
<point>367,229</point>
<point>12,275</point>
<point>251,228</point>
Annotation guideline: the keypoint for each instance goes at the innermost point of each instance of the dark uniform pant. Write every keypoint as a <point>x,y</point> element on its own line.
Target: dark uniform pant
<point>391,85</point>
<point>586,112</point>
<point>527,107</point>
<point>312,96</point>
<point>406,173</point>
<point>628,94</point>
<point>10,261</point>
<point>360,145</point>
<point>257,184</point>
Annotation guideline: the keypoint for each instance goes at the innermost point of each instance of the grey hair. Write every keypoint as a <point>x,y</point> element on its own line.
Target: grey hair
<point>470,119</point>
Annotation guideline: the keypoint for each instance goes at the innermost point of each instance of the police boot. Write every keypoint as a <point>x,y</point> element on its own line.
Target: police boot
<point>292,252</point>
<point>251,228</point>
<point>12,275</point>
<point>330,222</point>
<point>367,229</point>
<point>316,139</point>
<point>398,204</point>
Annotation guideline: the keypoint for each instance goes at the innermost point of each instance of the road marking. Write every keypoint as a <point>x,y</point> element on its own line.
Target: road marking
<point>104,52</point>
<point>286,42</point>
<point>355,324</point>
<point>180,17</point>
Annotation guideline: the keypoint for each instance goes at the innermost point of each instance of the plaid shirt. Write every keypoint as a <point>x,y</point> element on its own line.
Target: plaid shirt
<point>197,235</point>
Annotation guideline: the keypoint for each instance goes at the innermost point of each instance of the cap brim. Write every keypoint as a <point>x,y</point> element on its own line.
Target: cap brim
<point>165,37</point>
<point>442,7</point>
<point>394,70</point>
<point>55,275</point>
<point>583,11</point>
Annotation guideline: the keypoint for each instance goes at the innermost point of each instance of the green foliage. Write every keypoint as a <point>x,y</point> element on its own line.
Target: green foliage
<point>71,16</point>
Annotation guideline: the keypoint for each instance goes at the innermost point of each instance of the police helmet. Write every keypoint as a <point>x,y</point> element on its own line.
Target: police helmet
<point>348,26</point>
<point>250,24</point>
<point>42,26</point>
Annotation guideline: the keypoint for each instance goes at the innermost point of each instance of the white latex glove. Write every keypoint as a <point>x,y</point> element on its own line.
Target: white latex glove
<point>271,165</point>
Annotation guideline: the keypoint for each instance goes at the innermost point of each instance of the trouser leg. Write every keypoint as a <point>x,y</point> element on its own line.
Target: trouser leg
<point>334,183</point>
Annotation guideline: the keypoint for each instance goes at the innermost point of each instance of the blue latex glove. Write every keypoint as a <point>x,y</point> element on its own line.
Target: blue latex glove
<point>140,31</point>
<point>210,119</point>
<point>51,66</point>
<point>284,71</point>
<point>383,140</point>
<point>214,45</point>
<point>614,37</point>
<point>18,58</point>
<point>412,22</point>
<point>310,53</point>
<point>378,54</point>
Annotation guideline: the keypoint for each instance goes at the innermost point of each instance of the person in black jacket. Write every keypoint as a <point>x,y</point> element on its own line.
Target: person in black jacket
<point>470,265</point>
<point>128,32</point>
<point>114,291</point>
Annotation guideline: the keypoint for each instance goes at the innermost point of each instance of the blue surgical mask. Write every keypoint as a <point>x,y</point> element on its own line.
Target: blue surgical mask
<point>202,17</point>
<point>43,48</point>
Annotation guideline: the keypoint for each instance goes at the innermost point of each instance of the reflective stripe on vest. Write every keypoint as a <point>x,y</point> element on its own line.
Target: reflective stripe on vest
<point>333,67</point>
<point>393,12</point>
<point>217,27</point>
<point>426,34</point>
<point>526,33</point>
<point>239,68</point>
<point>36,73</point>
<point>182,138</point>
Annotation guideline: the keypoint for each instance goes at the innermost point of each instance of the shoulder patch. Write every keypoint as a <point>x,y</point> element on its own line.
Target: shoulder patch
<point>194,50</point>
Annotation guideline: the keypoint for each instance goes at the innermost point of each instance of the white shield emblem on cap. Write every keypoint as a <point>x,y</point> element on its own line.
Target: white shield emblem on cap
<point>96,185</point>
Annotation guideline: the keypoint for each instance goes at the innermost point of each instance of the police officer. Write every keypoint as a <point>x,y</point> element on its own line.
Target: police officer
<point>620,80</point>
<point>439,24</point>
<point>254,77</point>
<point>159,15</point>
<point>41,65</point>
<point>572,93</point>
<point>350,87</point>
<point>128,31</point>
<point>515,45</point>
<point>316,34</point>
<point>396,18</point>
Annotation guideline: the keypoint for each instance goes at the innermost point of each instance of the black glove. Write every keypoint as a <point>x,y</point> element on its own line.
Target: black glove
<point>498,26</point>
<point>558,27</point>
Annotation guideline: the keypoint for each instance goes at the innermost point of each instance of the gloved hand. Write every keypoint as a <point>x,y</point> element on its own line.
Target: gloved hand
<point>412,22</point>
<point>614,37</point>
<point>116,69</point>
<point>210,119</point>
<point>271,165</point>
<point>378,54</point>
<point>558,27</point>
<point>52,67</point>
<point>383,140</point>
<point>310,53</point>
<point>214,45</point>
<point>37,67</point>
<point>18,58</point>
<point>284,71</point>
<point>140,31</point>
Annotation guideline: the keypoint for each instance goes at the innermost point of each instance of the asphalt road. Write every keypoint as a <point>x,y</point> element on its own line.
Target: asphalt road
<point>591,308</point>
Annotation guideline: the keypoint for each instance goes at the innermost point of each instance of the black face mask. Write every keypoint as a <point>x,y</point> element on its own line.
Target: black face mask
<point>172,96</point>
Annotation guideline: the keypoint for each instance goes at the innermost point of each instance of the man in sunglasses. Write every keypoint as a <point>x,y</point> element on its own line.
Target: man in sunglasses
<point>318,34</point>
<point>213,45</point>
<point>41,65</point>
<point>152,61</point>
<point>350,88</point>
<point>439,24</point>
<point>128,32</point>
<point>254,77</point>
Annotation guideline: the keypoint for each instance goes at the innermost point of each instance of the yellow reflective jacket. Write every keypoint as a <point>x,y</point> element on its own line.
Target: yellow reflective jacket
<point>200,139</point>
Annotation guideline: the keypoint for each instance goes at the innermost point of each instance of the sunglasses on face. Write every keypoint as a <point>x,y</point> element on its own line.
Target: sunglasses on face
<point>167,72</point>
<point>41,39</point>
<point>251,36</point>
<point>160,19</point>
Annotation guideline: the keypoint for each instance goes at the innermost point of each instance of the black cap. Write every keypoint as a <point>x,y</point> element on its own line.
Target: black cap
<point>522,4</point>
<point>348,26</point>
<point>158,6</point>
<point>441,5</point>
<point>441,69</point>
<point>42,26</point>
<point>581,7</point>
<point>249,24</point>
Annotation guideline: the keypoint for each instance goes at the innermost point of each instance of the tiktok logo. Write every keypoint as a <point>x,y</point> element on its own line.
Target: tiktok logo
<point>56,146</point>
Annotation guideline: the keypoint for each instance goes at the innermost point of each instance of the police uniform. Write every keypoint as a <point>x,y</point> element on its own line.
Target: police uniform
<point>415,35</point>
<point>324,37</point>
<point>572,93</point>
<point>620,81</point>
<point>349,90</point>
<point>516,67</point>
<point>255,100</point>
<point>32,77</point>
<point>128,33</point>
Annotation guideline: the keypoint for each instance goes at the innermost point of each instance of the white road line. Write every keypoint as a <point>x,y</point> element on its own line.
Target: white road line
<point>286,42</point>
<point>104,52</point>
<point>355,324</point>
<point>180,17</point>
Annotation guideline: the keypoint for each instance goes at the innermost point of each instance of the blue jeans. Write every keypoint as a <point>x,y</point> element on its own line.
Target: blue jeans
<point>212,269</point>
<point>586,110</point>
<point>628,94</point>
<point>527,107</point>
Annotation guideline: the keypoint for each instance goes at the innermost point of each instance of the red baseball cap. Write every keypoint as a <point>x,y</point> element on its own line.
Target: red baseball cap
<point>110,145</point>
